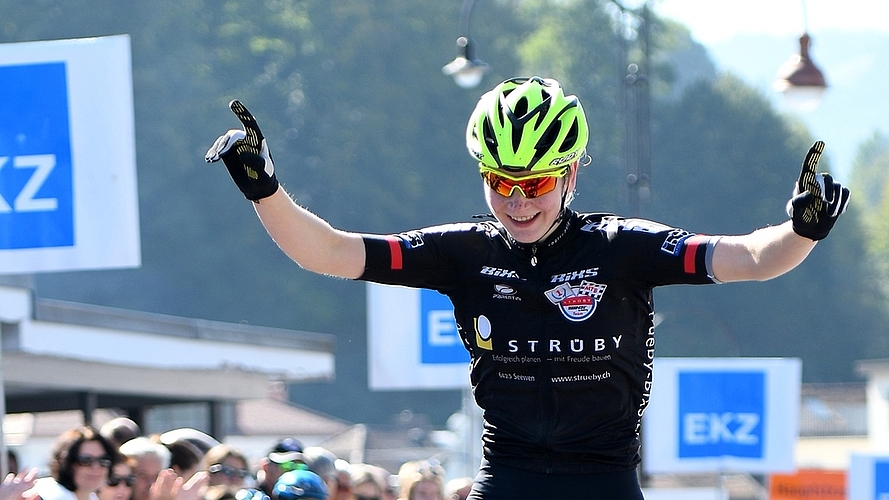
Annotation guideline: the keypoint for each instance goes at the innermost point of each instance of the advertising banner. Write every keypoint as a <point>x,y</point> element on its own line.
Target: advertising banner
<point>413,341</point>
<point>68,197</point>
<point>869,476</point>
<point>721,415</point>
<point>808,484</point>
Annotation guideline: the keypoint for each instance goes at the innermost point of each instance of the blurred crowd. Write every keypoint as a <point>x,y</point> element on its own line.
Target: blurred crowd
<point>117,462</point>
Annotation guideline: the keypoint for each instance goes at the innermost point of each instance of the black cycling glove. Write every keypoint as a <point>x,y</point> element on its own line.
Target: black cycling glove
<point>817,200</point>
<point>246,156</point>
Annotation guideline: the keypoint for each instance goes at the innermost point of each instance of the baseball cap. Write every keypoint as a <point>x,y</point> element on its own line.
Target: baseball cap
<point>287,450</point>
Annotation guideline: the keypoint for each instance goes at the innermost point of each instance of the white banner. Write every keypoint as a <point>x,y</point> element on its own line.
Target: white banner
<point>722,415</point>
<point>68,196</point>
<point>413,341</point>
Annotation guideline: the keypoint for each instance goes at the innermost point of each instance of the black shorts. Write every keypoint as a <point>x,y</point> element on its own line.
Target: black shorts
<point>496,482</point>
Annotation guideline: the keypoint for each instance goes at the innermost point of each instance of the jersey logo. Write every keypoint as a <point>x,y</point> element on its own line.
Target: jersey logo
<point>498,272</point>
<point>577,303</point>
<point>482,327</point>
<point>413,239</point>
<point>673,243</point>
<point>506,292</point>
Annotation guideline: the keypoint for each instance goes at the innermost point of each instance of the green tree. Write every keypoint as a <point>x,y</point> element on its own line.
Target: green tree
<point>726,164</point>
<point>368,133</point>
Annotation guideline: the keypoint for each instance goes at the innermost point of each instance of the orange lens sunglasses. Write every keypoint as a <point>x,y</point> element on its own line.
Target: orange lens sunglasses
<point>529,187</point>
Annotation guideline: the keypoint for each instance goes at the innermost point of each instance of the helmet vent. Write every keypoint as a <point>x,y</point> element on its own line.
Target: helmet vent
<point>570,138</point>
<point>521,107</point>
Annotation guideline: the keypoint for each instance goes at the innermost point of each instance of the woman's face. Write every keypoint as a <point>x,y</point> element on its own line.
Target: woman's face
<point>426,490</point>
<point>122,475</point>
<point>529,220</point>
<point>90,477</point>
<point>229,472</point>
<point>366,490</point>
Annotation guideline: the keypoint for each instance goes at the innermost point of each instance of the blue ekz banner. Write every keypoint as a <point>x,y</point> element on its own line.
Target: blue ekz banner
<point>721,414</point>
<point>36,186</point>
<point>438,331</point>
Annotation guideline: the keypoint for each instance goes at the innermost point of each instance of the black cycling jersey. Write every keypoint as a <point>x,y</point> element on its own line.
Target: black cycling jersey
<point>560,333</point>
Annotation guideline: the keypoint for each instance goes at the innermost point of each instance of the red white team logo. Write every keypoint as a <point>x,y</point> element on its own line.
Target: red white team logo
<point>577,303</point>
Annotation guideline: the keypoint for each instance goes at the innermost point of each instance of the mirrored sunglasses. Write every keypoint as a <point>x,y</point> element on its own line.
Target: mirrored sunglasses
<point>127,480</point>
<point>88,460</point>
<point>529,187</point>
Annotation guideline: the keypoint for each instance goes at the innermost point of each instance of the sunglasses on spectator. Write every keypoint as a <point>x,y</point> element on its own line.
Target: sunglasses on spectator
<point>292,465</point>
<point>362,497</point>
<point>127,480</point>
<point>530,186</point>
<point>227,470</point>
<point>88,460</point>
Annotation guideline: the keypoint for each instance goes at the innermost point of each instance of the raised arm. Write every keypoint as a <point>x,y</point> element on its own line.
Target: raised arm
<point>769,252</point>
<point>306,238</point>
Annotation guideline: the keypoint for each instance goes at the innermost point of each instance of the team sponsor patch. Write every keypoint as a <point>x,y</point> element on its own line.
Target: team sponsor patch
<point>413,239</point>
<point>505,292</point>
<point>577,302</point>
<point>673,243</point>
<point>498,272</point>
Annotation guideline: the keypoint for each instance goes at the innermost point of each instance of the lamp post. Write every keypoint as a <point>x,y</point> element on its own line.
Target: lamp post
<point>799,79</point>
<point>466,69</point>
<point>636,105</point>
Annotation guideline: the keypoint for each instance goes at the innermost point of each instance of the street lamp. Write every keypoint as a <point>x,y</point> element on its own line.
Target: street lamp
<point>466,69</point>
<point>633,27</point>
<point>799,79</point>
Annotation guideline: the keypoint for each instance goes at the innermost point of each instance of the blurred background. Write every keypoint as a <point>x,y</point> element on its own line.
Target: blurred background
<point>368,132</point>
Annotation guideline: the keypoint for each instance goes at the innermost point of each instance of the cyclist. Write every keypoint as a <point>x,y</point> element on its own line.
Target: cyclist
<point>554,306</point>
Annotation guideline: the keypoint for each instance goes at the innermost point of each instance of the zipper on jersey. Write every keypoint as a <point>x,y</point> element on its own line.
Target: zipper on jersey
<point>534,255</point>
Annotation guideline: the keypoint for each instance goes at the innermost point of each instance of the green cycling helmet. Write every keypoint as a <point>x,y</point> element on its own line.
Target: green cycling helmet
<point>527,125</point>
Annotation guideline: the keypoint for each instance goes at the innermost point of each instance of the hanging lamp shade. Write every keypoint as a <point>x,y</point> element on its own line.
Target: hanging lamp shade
<point>800,80</point>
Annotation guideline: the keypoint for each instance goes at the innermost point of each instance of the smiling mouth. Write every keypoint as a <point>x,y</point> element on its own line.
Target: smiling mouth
<point>523,219</point>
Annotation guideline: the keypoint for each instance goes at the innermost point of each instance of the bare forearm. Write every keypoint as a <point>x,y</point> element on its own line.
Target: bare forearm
<point>761,255</point>
<point>309,240</point>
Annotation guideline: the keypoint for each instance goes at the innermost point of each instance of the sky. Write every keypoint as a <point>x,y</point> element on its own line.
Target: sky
<point>850,44</point>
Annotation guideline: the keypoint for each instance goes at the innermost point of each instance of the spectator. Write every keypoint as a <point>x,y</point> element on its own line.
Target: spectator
<point>458,488</point>
<point>150,459</point>
<point>322,461</point>
<point>119,430</point>
<point>80,464</point>
<point>185,458</point>
<point>343,481</point>
<point>120,482</point>
<point>285,456</point>
<point>421,480</point>
<point>226,466</point>
<point>201,440</point>
<point>366,483</point>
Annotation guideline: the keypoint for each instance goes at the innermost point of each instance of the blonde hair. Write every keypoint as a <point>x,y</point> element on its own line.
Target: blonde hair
<point>412,473</point>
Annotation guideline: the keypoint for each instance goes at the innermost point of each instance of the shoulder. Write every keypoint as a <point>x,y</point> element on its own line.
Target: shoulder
<point>458,231</point>
<point>613,225</point>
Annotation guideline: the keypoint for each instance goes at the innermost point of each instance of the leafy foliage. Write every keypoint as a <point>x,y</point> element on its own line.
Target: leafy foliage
<point>367,132</point>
